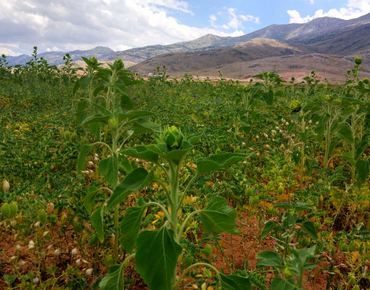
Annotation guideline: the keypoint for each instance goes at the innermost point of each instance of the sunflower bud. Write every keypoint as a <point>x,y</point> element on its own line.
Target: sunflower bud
<point>173,137</point>
<point>358,60</point>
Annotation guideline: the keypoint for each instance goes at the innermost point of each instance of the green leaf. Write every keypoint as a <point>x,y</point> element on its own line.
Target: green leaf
<point>216,162</point>
<point>141,152</point>
<point>235,282</point>
<point>95,129</point>
<point>282,284</point>
<point>362,147</point>
<point>345,132</point>
<point>109,169</point>
<point>269,259</point>
<point>125,163</point>
<point>126,103</point>
<point>97,223</point>
<point>133,181</point>
<point>84,82</point>
<point>102,109</point>
<point>268,228</point>
<point>193,139</point>
<point>130,227</point>
<point>177,155</point>
<point>363,169</point>
<point>284,205</point>
<point>289,221</point>
<point>97,118</point>
<point>268,97</point>
<point>309,227</point>
<point>81,161</point>
<point>143,126</point>
<point>133,115</point>
<point>89,198</point>
<point>114,279</point>
<point>156,258</point>
<point>218,217</point>
<point>348,156</point>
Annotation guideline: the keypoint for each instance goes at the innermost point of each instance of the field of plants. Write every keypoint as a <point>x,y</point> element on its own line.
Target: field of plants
<point>112,182</point>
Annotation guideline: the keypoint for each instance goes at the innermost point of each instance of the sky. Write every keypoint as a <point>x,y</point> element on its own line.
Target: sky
<point>66,25</point>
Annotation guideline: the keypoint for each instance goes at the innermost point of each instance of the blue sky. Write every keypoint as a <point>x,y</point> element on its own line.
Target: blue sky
<point>55,25</point>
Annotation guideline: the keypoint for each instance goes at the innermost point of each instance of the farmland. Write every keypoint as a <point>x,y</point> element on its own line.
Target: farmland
<point>110,181</point>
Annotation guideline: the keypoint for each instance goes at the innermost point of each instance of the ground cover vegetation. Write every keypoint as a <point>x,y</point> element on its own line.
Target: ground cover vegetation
<point>110,181</point>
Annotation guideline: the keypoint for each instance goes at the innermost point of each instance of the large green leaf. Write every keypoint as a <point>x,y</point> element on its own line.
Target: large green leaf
<point>268,228</point>
<point>89,198</point>
<point>268,97</point>
<point>193,139</point>
<point>282,284</point>
<point>156,258</point>
<point>235,282</point>
<point>143,126</point>
<point>109,169</point>
<point>363,169</point>
<point>269,259</point>
<point>130,226</point>
<point>309,227</point>
<point>362,147</point>
<point>97,223</point>
<point>97,118</point>
<point>133,115</point>
<point>216,162</point>
<point>218,217</point>
<point>141,152</point>
<point>133,181</point>
<point>95,129</point>
<point>81,161</point>
<point>114,279</point>
<point>345,132</point>
<point>126,103</point>
<point>348,156</point>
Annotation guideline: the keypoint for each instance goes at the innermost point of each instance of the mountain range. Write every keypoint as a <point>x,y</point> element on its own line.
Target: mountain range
<point>335,38</point>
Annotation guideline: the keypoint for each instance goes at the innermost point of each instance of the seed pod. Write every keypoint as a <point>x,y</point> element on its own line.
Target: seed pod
<point>343,247</point>
<point>287,273</point>
<point>187,262</point>
<point>317,226</point>
<point>352,246</point>
<point>5,210</point>
<point>109,261</point>
<point>249,191</point>
<point>254,200</point>
<point>74,137</point>
<point>281,189</point>
<point>6,186</point>
<point>67,135</point>
<point>43,217</point>
<point>50,207</point>
<point>13,209</point>
<point>208,250</point>
<point>93,240</point>
<point>84,141</point>
<point>78,227</point>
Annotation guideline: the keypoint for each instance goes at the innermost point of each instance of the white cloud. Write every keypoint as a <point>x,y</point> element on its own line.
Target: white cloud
<point>8,52</point>
<point>354,9</point>
<point>119,24</point>
<point>121,47</point>
<point>52,49</point>
<point>235,21</point>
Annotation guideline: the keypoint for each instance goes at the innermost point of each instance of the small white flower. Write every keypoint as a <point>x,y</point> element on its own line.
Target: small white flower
<point>317,123</point>
<point>264,134</point>
<point>35,280</point>
<point>18,247</point>
<point>257,137</point>
<point>45,234</point>
<point>31,245</point>
<point>243,143</point>
<point>78,262</point>
<point>74,251</point>
<point>310,122</point>
<point>13,258</point>
<point>282,120</point>
<point>90,164</point>
<point>37,224</point>
<point>57,252</point>
<point>21,263</point>
<point>89,271</point>
<point>13,223</point>
<point>287,123</point>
